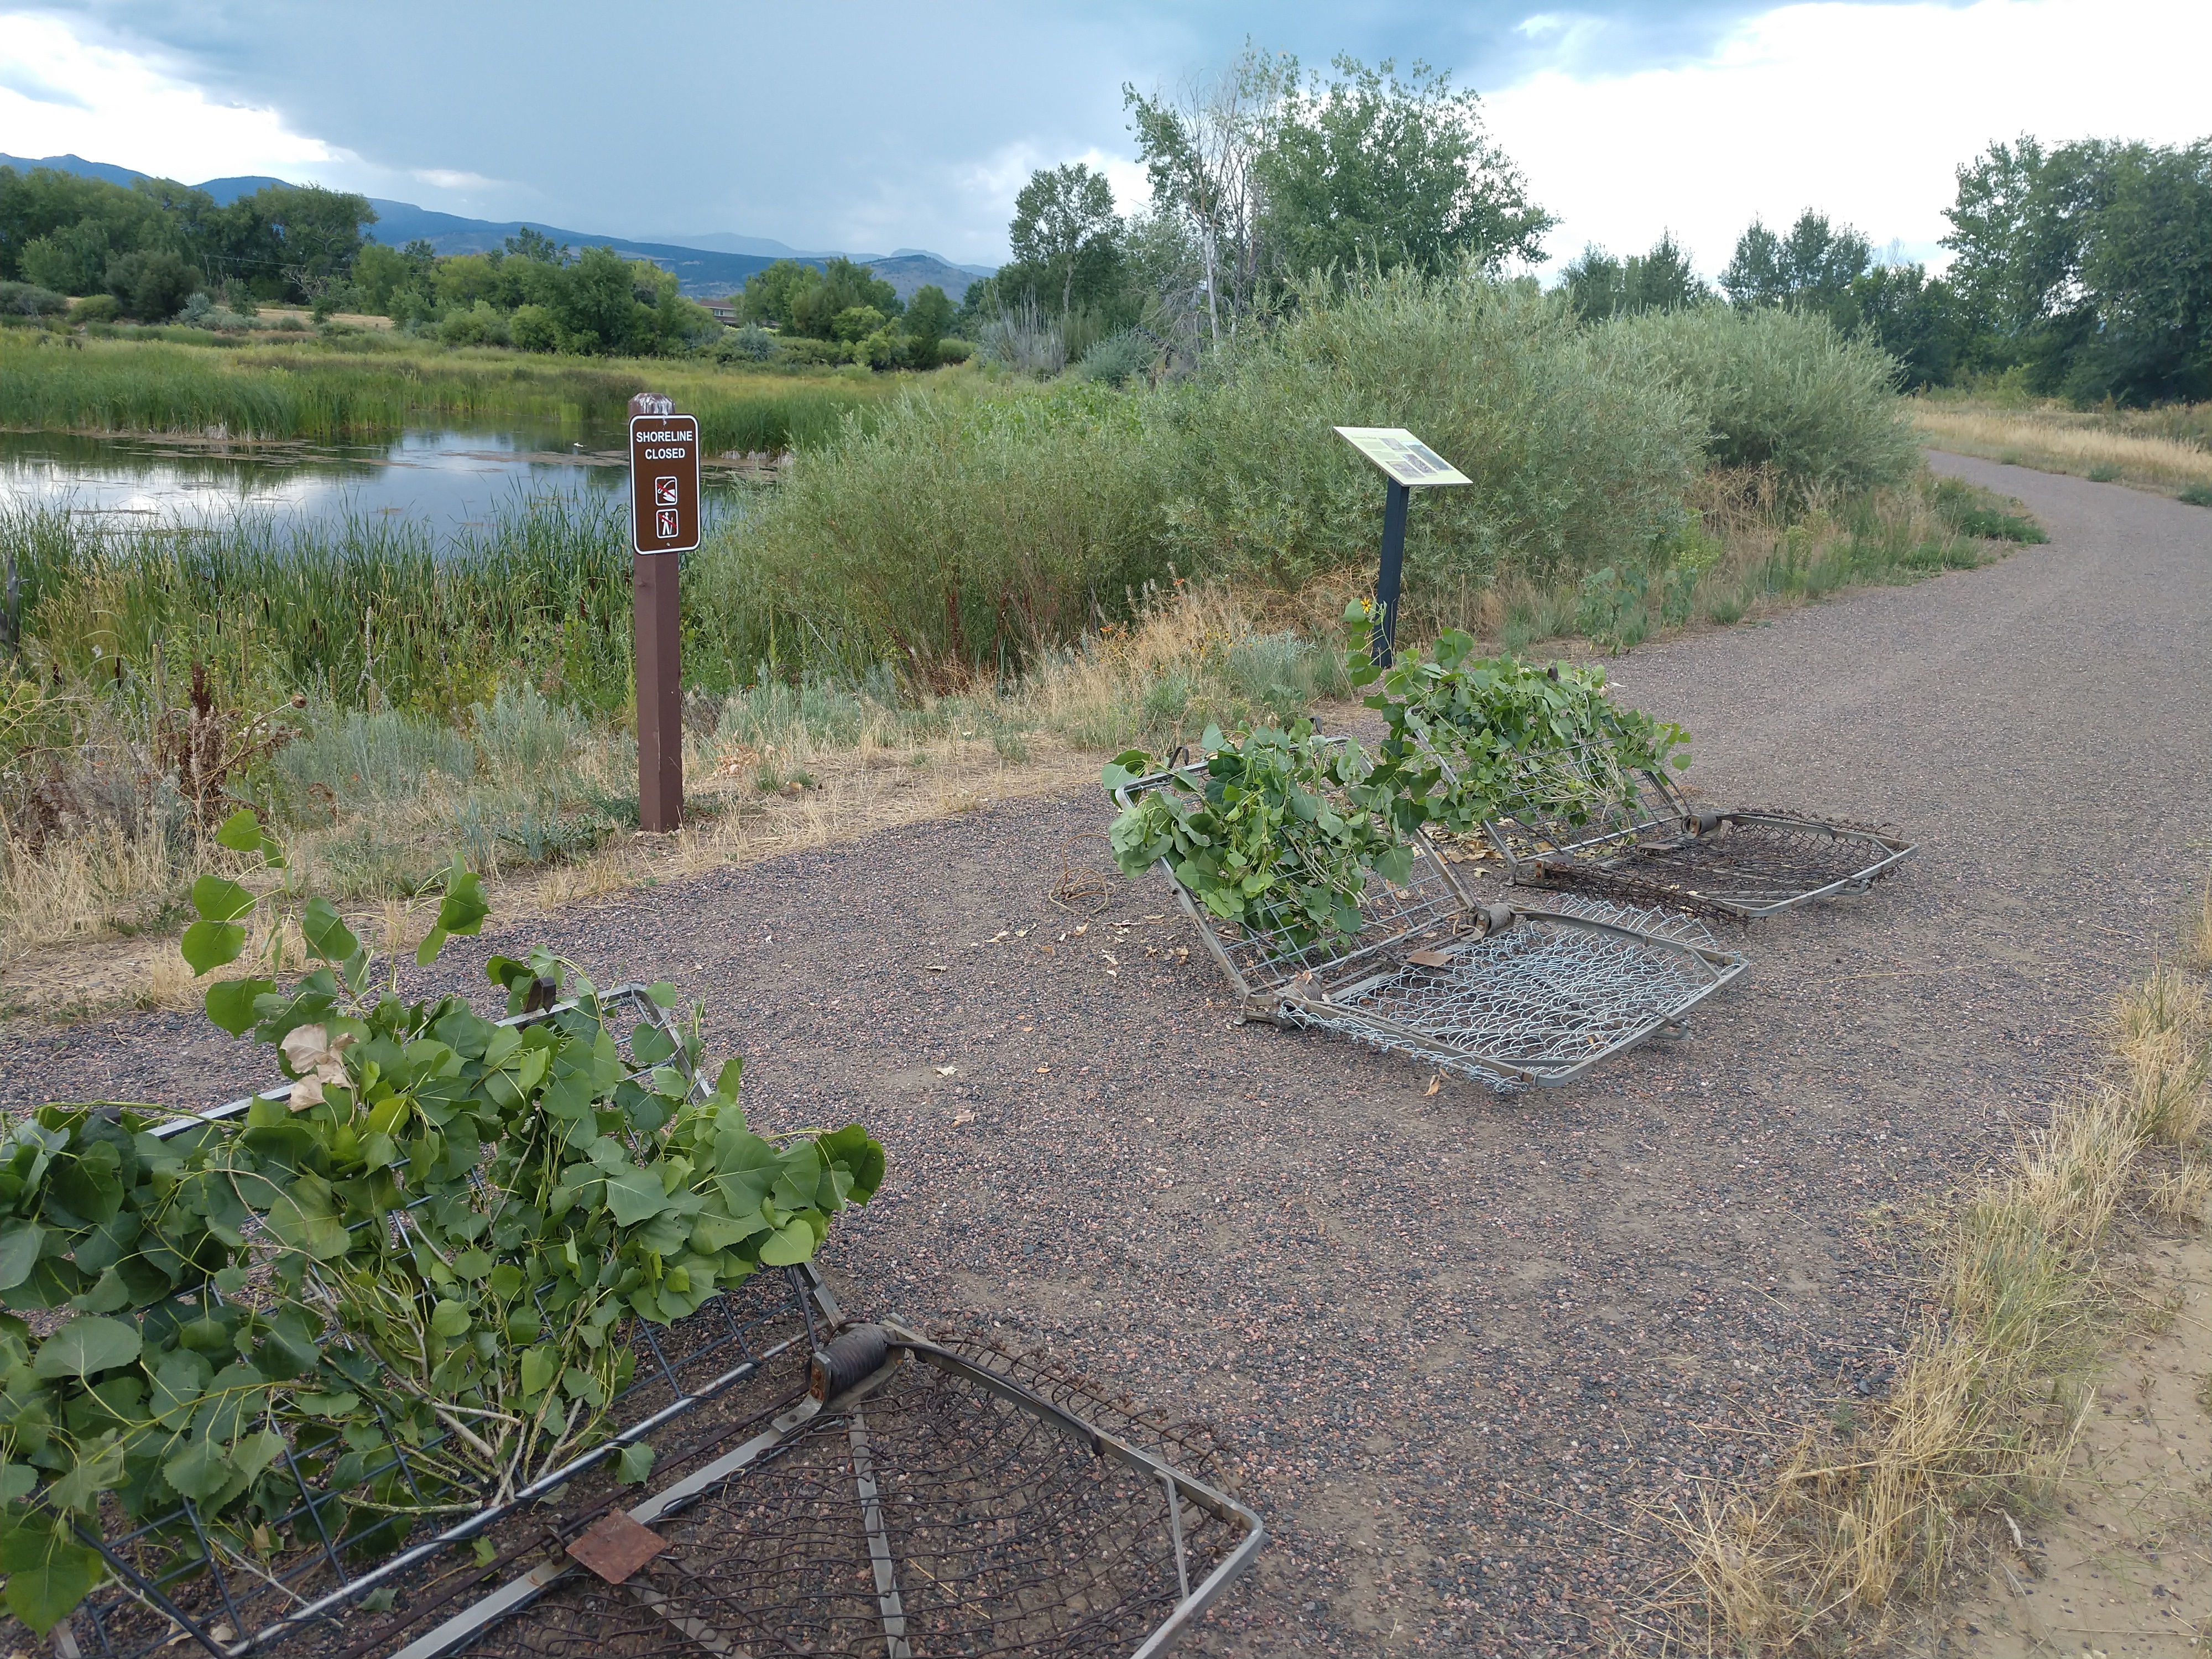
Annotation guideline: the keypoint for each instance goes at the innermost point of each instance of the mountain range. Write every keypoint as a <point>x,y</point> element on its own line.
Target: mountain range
<point>707,265</point>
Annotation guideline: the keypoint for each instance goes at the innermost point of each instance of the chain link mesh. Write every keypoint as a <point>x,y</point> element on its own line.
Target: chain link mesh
<point>1001,1533</point>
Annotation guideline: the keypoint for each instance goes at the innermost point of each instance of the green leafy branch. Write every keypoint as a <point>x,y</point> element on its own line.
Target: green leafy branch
<point>1473,739</point>
<point>449,1225</point>
<point>1279,830</point>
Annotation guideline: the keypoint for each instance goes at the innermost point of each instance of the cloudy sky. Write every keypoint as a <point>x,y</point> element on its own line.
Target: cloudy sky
<point>869,127</point>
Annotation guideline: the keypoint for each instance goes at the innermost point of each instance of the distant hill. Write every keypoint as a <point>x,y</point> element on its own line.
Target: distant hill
<point>727,242</point>
<point>77,164</point>
<point>906,272</point>
<point>705,267</point>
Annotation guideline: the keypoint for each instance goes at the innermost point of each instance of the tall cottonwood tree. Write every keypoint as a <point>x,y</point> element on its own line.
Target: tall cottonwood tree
<point>1278,174</point>
<point>1063,220</point>
<point>1200,146</point>
<point>2089,265</point>
<point>1369,171</point>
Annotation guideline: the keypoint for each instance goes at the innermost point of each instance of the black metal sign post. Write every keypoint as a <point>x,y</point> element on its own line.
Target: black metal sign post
<point>1390,571</point>
<point>664,496</point>
<point>1407,463</point>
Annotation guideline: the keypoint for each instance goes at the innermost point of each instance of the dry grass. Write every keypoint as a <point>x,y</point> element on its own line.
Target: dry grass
<point>2054,439</point>
<point>103,881</point>
<point>86,920</point>
<point>2196,934</point>
<point>1857,1526</point>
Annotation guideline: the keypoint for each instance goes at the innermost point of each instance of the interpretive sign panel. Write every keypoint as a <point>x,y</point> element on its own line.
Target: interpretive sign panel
<point>1404,458</point>
<point>664,482</point>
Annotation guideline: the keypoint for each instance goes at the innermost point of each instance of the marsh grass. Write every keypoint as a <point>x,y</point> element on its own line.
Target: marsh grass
<point>1858,1525</point>
<point>317,390</point>
<point>363,613</point>
<point>2167,448</point>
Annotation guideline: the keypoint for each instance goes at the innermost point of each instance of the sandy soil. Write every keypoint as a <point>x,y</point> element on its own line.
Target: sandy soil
<point>2122,1568</point>
<point>1458,1346</point>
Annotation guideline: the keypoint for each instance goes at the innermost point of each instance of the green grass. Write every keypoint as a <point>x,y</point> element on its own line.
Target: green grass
<point>1972,510</point>
<point>366,614</point>
<point>312,390</point>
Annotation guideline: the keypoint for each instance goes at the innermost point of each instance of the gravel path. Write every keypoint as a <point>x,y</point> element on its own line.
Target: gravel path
<point>1454,1342</point>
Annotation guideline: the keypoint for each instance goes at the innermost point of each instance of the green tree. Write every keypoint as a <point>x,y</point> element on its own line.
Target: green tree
<point>855,323</point>
<point>538,247</point>
<point>288,241</point>
<point>1597,285</point>
<point>1811,269</point>
<point>465,278</point>
<point>801,299</point>
<point>2089,264</point>
<point>83,222</point>
<point>928,319</point>
<point>1369,170</point>
<point>151,284</point>
<point>1063,220</point>
<point>769,295</point>
<point>2147,272</point>
<point>1916,318</point>
<point>389,278</point>
<point>594,302</point>
<point>534,328</point>
<point>72,259</point>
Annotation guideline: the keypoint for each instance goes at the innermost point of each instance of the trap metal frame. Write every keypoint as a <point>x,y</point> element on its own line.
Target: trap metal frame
<point>1505,994</point>
<point>173,1578</point>
<point>1580,819</point>
<point>923,1496</point>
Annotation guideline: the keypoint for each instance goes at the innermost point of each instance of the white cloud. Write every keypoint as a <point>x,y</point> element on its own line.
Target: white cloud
<point>985,191</point>
<point>1133,185</point>
<point>117,106</point>
<point>447,179</point>
<point>1862,112</point>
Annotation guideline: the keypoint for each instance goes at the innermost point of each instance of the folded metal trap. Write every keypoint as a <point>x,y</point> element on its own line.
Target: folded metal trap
<point>1506,994</point>
<point>875,1494</point>
<point>924,1497</point>
<point>1577,820</point>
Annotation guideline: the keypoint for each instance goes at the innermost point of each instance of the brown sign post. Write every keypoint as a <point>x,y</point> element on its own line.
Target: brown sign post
<point>663,502</point>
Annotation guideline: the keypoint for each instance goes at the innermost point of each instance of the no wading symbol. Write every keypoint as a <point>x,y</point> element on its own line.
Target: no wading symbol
<point>663,481</point>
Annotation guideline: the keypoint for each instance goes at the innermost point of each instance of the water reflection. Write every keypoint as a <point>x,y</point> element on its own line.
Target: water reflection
<point>450,482</point>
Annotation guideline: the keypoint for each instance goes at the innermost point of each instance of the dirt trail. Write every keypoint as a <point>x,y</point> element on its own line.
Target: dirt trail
<point>1456,1340</point>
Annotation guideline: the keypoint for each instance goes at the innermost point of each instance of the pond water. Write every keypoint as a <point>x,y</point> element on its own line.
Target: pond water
<point>451,481</point>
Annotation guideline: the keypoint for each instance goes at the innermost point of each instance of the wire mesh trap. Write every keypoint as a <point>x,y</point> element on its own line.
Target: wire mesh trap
<point>309,1583</point>
<point>1505,994</point>
<point>1578,819</point>
<point>924,1498</point>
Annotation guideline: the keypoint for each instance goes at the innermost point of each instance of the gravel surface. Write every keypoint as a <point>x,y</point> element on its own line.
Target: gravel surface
<point>1455,1344</point>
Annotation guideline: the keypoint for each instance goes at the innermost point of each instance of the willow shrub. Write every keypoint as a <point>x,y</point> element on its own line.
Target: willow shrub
<point>946,536</point>
<point>1578,460</point>
<point>1778,390</point>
